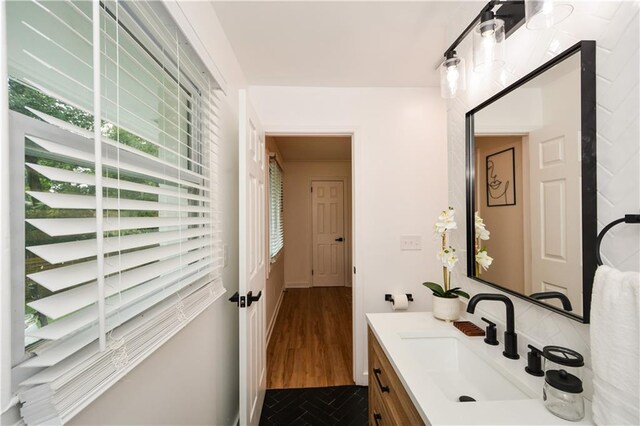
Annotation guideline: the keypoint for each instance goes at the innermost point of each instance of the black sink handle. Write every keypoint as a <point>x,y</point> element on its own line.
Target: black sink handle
<point>534,362</point>
<point>491,323</point>
<point>491,333</point>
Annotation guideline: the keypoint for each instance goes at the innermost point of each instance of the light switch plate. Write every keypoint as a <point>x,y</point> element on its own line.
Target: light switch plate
<point>410,242</point>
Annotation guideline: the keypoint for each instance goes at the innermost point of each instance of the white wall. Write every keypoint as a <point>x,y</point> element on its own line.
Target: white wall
<point>614,26</point>
<point>556,107</point>
<point>399,181</point>
<point>193,378</point>
<point>518,112</point>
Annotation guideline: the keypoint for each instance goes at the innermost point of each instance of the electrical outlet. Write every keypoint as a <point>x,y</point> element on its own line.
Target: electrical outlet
<point>410,242</point>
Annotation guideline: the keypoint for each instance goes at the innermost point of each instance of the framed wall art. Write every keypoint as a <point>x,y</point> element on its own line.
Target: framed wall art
<point>501,178</point>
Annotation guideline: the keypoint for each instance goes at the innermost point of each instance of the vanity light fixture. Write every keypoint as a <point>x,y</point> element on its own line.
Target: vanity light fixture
<point>542,14</point>
<point>497,20</point>
<point>488,43</point>
<point>452,75</point>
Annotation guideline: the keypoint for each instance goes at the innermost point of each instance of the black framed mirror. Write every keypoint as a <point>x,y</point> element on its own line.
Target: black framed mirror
<point>531,183</point>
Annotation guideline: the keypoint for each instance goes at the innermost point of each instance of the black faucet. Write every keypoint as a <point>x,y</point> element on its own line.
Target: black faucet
<point>510,336</point>
<point>566,303</point>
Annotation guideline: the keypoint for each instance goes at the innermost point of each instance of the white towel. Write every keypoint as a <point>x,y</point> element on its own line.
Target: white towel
<point>615,347</point>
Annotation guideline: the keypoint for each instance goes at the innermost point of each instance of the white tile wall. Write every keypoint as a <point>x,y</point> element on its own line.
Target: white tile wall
<point>615,27</point>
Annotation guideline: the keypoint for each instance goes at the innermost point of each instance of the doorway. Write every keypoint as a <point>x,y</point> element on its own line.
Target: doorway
<point>310,330</point>
<point>498,207</point>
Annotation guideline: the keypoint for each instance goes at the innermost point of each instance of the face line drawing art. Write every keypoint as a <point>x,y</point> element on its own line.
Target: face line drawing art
<point>494,183</point>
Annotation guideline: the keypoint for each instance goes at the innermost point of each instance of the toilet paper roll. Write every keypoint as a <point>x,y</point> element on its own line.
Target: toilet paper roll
<point>400,302</point>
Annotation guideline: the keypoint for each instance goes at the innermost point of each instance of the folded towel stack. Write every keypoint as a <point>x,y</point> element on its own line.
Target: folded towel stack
<point>615,347</point>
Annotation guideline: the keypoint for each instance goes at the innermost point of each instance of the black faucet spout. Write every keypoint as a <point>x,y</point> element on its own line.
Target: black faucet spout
<point>510,336</point>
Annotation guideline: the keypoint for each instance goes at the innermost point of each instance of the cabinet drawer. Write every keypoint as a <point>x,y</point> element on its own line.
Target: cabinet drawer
<point>383,378</point>
<point>378,413</point>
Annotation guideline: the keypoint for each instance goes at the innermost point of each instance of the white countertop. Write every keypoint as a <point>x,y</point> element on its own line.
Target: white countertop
<point>431,403</point>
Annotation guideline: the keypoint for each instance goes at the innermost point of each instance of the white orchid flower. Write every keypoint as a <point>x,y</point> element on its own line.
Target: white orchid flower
<point>448,257</point>
<point>446,222</point>
<point>447,214</point>
<point>443,227</point>
<point>484,259</point>
<point>482,233</point>
<point>447,217</point>
<point>481,230</point>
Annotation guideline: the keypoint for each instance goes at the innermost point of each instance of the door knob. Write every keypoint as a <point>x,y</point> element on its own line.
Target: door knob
<point>340,239</point>
<point>251,298</point>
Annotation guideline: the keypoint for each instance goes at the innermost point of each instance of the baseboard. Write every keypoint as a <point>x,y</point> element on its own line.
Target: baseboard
<point>275,317</point>
<point>304,284</point>
<point>307,285</point>
<point>363,380</point>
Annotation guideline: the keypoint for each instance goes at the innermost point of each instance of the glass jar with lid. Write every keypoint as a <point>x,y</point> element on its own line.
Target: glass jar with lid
<point>562,391</point>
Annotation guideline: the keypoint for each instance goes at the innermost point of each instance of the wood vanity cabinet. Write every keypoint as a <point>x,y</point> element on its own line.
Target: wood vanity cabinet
<point>389,403</point>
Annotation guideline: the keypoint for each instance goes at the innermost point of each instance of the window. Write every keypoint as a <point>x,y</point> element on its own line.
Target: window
<point>276,208</point>
<point>118,244</point>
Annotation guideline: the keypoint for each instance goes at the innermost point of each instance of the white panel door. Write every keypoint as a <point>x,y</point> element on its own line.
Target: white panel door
<point>556,216</point>
<point>252,263</point>
<point>328,233</point>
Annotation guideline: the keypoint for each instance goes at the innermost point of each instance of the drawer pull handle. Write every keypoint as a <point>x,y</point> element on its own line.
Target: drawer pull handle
<point>377,372</point>
<point>377,417</point>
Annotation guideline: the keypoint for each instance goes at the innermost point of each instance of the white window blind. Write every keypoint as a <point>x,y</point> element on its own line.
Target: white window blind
<point>159,250</point>
<point>276,215</point>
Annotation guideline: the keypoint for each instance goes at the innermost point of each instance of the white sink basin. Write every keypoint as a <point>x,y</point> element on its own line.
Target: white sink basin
<point>456,370</point>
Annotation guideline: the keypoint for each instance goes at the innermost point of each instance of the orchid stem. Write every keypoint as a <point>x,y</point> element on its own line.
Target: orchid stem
<point>478,270</point>
<point>445,276</point>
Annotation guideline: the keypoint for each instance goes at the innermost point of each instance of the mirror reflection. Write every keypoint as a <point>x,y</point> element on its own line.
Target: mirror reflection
<point>527,188</point>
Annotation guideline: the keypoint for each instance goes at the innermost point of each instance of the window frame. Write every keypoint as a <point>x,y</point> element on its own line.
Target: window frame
<point>15,127</point>
<point>275,257</point>
<point>20,126</point>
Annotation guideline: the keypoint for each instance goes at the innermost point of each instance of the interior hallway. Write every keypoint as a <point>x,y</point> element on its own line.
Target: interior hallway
<point>311,344</point>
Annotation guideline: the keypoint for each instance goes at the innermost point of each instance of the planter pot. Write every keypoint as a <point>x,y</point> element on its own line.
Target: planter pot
<point>446,309</point>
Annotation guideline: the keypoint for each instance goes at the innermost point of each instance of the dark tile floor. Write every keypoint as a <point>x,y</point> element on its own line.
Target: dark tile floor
<point>336,405</point>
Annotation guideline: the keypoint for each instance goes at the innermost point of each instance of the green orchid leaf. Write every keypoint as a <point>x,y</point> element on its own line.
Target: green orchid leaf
<point>461,293</point>
<point>449,295</point>
<point>435,288</point>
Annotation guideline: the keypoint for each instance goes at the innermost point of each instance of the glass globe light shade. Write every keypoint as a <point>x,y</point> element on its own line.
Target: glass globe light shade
<point>489,45</point>
<point>452,77</point>
<point>542,14</point>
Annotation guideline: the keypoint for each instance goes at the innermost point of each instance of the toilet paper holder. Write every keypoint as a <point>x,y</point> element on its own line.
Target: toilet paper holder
<point>389,297</point>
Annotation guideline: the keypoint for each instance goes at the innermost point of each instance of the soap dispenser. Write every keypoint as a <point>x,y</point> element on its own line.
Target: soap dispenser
<point>562,392</point>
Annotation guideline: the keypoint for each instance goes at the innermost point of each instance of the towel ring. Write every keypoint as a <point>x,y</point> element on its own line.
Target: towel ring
<point>628,218</point>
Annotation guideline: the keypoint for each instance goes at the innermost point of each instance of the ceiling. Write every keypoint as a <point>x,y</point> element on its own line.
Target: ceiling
<point>314,148</point>
<point>339,43</point>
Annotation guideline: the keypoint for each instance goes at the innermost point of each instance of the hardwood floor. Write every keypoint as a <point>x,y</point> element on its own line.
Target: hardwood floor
<point>311,343</point>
